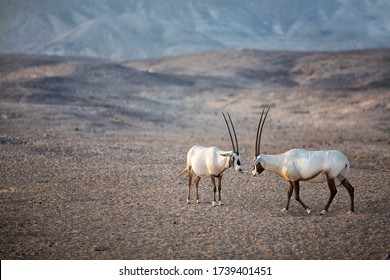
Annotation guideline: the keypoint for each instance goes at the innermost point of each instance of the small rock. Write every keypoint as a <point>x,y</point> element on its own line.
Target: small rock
<point>100,248</point>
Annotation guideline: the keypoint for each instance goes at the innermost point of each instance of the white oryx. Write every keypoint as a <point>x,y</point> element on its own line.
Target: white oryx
<point>300,165</point>
<point>211,162</point>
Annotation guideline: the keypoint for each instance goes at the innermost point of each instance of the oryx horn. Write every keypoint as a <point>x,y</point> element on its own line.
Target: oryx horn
<point>259,131</point>
<point>235,148</point>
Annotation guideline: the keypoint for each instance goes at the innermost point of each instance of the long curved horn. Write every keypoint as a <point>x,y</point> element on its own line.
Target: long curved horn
<point>234,132</point>
<point>230,134</point>
<point>257,134</point>
<point>261,130</point>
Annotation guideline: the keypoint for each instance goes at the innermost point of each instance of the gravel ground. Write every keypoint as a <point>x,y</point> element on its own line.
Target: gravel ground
<point>90,152</point>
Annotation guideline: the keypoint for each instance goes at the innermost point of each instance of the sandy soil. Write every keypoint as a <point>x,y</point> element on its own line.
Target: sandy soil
<point>90,152</point>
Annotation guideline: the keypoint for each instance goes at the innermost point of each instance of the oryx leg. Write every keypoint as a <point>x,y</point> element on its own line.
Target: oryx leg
<point>196,182</point>
<point>219,189</point>
<point>350,190</point>
<point>189,186</point>
<point>333,191</point>
<point>296,190</point>
<point>289,194</point>
<point>214,189</point>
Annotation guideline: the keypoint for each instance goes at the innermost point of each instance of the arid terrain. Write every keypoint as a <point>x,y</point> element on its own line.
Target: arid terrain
<point>90,152</point>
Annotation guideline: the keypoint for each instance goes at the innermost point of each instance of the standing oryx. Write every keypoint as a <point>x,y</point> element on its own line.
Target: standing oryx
<point>211,162</point>
<point>300,165</point>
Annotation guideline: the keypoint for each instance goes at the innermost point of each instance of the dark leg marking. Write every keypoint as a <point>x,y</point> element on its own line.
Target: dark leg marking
<point>350,190</point>
<point>219,189</point>
<point>189,186</point>
<point>289,194</point>
<point>196,182</point>
<point>296,190</point>
<point>212,177</point>
<point>333,191</point>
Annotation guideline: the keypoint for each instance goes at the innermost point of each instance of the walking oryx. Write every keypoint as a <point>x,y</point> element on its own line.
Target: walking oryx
<point>300,165</point>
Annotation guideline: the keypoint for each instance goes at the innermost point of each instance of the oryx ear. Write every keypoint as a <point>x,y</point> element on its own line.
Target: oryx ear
<point>227,154</point>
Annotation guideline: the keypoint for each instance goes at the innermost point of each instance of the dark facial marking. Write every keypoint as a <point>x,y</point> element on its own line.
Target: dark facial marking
<point>259,168</point>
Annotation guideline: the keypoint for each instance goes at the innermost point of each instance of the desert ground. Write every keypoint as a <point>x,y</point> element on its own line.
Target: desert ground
<point>90,152</point>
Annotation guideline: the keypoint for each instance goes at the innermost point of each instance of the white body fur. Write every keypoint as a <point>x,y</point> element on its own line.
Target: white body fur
<point>313,166</point>
<point>209,162</point>
<point>303,165</point>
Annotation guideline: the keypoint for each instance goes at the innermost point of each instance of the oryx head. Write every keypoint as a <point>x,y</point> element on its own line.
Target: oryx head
<point>258,167</point>
<point>234,154</point>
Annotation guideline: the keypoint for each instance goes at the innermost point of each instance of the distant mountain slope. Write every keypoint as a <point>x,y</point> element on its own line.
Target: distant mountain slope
<point>137,29</point>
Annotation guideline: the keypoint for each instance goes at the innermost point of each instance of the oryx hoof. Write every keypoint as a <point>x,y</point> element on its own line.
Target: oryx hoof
<point>214,203</point>
<point>351,212</point>
<point>323,212</point>
<point>188,201</point>
<point>284,210</point>
<point>197,201</point>
<point>220,203</point>
<point>308,211</point>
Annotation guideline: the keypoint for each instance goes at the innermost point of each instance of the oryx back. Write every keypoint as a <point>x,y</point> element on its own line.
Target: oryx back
<point>206,161</point>
<point>317,166</point>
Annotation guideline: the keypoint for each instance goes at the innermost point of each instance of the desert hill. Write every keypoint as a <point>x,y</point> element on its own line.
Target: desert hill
<point>138,29</point>
<point>90,151</point>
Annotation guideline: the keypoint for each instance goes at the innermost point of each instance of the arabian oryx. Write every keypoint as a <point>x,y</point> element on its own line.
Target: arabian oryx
<point>300,165</point>
<point>211,162</point>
